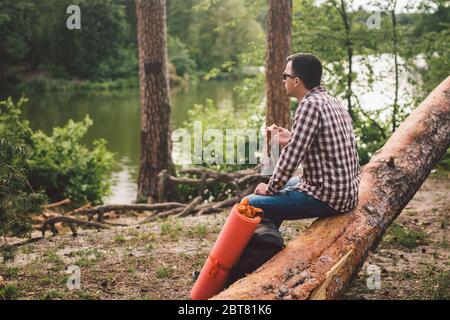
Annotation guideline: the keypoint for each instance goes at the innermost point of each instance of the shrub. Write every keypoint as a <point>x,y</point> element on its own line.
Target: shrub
<point>60,164</point>
<point>66,168</point>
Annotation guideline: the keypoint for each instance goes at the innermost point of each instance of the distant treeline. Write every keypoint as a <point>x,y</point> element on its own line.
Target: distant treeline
<point>204,35</point>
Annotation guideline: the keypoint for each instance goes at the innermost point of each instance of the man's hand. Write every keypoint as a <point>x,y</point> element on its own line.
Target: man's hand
<point>283,134</point>
<point>261,189</point>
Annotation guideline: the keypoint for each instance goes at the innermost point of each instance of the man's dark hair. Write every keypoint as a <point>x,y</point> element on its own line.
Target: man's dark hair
<point>308,68</point>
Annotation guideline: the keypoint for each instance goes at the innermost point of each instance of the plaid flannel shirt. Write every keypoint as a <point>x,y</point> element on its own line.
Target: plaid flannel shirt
<point>322,140</point>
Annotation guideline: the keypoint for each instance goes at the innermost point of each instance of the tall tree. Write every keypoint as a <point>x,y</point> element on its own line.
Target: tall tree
<point>395,44</point>
<point>342,8</point>
<point>154,91</point>
<point>279,25</point>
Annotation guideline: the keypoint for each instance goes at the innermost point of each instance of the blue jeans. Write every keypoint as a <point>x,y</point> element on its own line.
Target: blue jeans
<point>290,204</point>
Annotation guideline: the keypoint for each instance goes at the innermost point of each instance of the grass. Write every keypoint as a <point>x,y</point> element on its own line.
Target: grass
<point>11,272</point>
<point>89,252</point>
<point>119,239</point>
<point>443,243</point>
<point>9,292</point>
<point>397,234</point>
<point>53,258</point>
<point>199,231</point>
<point>170,230</point>
<point>86,261</point>
<point>438,286</point>
<point>53,295</point>
<point>163,272</point>
<point>87,296</point>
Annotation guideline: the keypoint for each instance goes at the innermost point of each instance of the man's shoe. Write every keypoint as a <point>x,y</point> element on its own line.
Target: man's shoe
<point>195,275</point>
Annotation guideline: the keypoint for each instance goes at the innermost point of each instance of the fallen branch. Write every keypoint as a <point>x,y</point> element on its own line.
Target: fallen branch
<point>79,210</point>
<point>57,204</point>
<point>237,180</point>
<point>90,212</point>
<point>28,241</point>
<point>50,223</point>
<point>186,211</point>
<point>218,206</point>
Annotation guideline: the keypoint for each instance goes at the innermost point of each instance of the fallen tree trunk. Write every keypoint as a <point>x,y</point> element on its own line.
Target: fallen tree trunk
<point>322,261</point>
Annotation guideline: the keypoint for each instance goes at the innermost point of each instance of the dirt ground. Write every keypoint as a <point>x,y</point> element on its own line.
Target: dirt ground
<point>156,260</point>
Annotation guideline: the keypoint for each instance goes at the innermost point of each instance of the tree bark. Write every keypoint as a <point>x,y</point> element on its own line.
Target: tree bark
<point>322,261</point>
<point>154,90</point>
<point>279,21</point>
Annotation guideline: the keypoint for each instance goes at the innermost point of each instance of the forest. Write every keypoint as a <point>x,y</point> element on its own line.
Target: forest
<point>100,99</point>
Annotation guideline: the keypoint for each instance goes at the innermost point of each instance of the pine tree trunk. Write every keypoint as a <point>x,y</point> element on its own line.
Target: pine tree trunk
<point>279,20</point>
<point>323,260</point>
<point>154,90</point>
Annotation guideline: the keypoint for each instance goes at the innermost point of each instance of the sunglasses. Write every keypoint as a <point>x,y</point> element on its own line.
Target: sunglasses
<point>286,75</point>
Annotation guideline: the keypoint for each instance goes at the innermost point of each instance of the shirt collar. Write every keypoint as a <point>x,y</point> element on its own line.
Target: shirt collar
<point>315,90</point>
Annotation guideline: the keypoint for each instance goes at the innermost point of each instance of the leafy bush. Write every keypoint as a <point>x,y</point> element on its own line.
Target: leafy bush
<point>68,169</point>
<point>60,163</point>
<point>121,66</point>
<point>180,56</point>
<point>221,118</point>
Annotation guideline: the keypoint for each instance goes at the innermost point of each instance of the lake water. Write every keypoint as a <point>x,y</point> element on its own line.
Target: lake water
<point>116,117</point>
<point>116,114</point>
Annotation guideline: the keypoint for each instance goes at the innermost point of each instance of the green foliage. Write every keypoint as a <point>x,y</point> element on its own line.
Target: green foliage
<point>242,120</point>
<point>222,118</point>
<point>15,30</point>
<point>202,35</point>
<point>122,65</point>
<point>369,137</point>
<point>66,168</point>
<point>9,292</point>
<point>199,231</point>
<point>445,161</point>
<point>18,201</point>
<point>36,33</point>
<point>407,238</point>
<point>164,272</point>
<point>215,32</point>
<point>180,56</point>
<point>59,164</point>
<point>119,239</point>
<point>321,29</point>
<point>97,49</point>
<point>170,230</point>
<point>438,285</point>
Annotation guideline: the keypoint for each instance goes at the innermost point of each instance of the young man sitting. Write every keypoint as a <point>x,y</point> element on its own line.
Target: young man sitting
<point>322,141</point>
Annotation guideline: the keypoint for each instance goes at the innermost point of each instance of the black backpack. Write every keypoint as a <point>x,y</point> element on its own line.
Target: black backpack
<point>264,244</point>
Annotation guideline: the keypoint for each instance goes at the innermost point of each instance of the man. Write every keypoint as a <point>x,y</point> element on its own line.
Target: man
<point>322,140</point>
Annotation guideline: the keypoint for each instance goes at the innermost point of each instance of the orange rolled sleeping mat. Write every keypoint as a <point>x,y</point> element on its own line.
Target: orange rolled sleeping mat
<point>232,240</point>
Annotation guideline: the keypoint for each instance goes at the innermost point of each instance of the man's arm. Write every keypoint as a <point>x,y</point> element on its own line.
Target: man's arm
<point>305,128</point>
